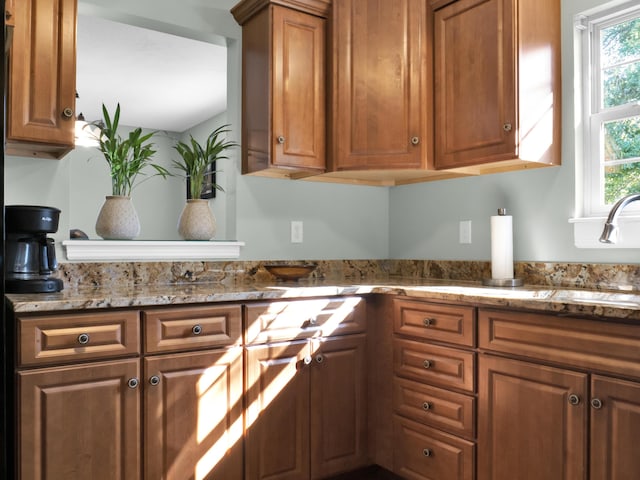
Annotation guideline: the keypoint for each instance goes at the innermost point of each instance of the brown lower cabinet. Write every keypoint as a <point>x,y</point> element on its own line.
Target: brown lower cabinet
<point>306,408</point>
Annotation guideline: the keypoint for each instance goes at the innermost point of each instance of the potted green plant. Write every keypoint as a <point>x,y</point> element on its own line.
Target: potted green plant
<point>127,159</point>
<point>196,163</point>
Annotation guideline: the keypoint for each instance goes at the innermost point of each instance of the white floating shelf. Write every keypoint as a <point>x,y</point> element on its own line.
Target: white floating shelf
<point>100,250</point>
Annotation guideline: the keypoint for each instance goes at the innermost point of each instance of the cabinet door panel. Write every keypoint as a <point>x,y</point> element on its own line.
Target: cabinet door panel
<point>80,422</point>
<point>277,412</point>
<point>42,77</point>
<point>527,427</point>
<point>299,89</point>
<point>614,429</point>
<point>474,82</point>
<point>193,416</point>
<point>380,94</point>
<point>338,405</point>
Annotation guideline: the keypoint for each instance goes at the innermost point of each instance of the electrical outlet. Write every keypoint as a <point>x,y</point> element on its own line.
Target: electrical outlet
<point>465,231</point>
<point>296,231</point>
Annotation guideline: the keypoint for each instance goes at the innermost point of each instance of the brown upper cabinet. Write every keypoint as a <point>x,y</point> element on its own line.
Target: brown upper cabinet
<point>42,79</point>
<point>381,90</point>
<point>497,85</point>
<point>417,90</point>
<point>283,86</point>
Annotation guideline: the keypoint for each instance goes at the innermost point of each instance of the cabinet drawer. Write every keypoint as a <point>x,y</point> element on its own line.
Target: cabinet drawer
<point>440,323</point>
<point>602,346</point>
<point>442,366</point>
<point>172,329</point>
<point>450,411</point>
<point>422,452</point>
<point>297,319</point>
<point>63,338</point>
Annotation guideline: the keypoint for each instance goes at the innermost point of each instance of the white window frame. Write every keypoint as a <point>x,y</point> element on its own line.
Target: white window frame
<point>590,182</point>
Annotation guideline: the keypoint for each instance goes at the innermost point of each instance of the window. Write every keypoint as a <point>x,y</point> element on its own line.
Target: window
<point>611,106</point>
<point>607,95</point>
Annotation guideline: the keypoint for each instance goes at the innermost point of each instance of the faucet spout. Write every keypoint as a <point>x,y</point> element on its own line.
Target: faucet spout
<point>610,232</point>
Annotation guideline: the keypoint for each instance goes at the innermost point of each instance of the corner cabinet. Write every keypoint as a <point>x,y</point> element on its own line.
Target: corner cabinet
<point>497,85</point>
<point>380,86</point>
<point>41,84</point>
<point>283,86</point>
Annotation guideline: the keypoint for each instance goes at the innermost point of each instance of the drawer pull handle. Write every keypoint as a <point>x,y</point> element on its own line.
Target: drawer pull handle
<point>427,364</point>
<point>154,380</point>
<point>83,338</point>
<point>574,399</point>
<point>426,406</point>
<point>596,403</point>
<point>428,322</point>
<point>133,383</point>
<point>197,329</point>
<point>427,452</point>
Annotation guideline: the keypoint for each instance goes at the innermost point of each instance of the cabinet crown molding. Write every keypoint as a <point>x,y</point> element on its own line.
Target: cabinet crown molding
<point>246,9</point>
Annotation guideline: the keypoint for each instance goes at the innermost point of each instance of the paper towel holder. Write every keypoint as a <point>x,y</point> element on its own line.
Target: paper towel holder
<point>502,282</point>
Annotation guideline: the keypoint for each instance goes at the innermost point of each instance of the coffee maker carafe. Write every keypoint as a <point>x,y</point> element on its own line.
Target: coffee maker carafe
<point>30,255</point>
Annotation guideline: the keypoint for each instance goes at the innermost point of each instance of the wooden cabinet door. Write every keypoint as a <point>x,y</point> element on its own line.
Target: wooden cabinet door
<point>42,79</point>
<point>475,111</point>
<point>528,425</point>
<point>615,426</point>
<point>80,422</point>
<point>338,405</point>
<point>380,85</point>
<point>277,411</point>
<point>193,415</point>
<point>284,93</point>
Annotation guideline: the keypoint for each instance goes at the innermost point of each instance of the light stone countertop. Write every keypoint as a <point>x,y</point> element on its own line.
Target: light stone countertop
<point>569,301</point>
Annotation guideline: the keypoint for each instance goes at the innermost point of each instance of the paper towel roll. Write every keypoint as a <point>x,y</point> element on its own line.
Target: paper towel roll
<point>501,246</point>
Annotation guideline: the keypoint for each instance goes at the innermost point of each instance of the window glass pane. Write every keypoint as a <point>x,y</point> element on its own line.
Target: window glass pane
<point>621,180</point>
<point>622,139</point>
<point>620,62</point>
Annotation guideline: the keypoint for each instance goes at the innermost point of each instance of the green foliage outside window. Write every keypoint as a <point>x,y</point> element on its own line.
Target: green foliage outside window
<point>620,57</point>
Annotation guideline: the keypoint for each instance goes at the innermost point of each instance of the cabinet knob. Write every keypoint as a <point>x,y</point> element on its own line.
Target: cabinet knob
<point>427,364</point>
<point>197,329</point>
<point>307,359</point>
<point>574,399</point>
<point>133,383</point>
<point>426,406</point>
<point>320,358</point>
<point>154,380</point>
<point>67,112</point>
<point>83,338</point>
<point>7,15</point>
<point>507,127</point>
<point>415,140</point>
<point>281,139</point>
<point>427,452</point>
<point>427,322</point>
<point>313,320</point>
<point>596,403</point>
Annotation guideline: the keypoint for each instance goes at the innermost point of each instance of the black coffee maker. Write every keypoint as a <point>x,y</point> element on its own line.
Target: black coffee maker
<point>30,254</point>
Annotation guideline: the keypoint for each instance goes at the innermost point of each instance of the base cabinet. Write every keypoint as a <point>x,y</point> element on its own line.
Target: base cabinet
<point>531,421</point>
<point>306,408</point>
<point>193,415</point>
<point>80,422</point>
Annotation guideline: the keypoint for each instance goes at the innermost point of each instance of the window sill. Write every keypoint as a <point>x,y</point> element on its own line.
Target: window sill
<point>146,250</point>
<point>587,231</point>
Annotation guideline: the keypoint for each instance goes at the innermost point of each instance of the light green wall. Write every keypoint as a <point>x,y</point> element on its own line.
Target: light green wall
<point>340,221</point>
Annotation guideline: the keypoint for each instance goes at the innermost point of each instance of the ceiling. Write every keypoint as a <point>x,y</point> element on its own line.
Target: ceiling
<point>162,81</point>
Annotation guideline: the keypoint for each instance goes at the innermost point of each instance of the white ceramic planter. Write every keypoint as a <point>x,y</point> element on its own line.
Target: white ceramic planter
<point>118,219</point>
<point>197,221</point>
